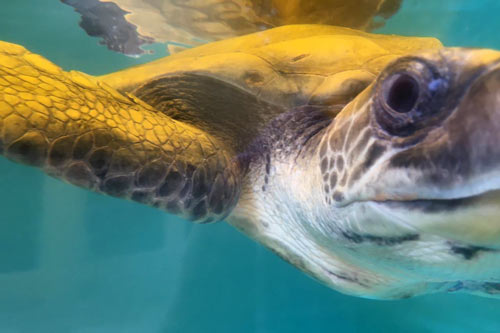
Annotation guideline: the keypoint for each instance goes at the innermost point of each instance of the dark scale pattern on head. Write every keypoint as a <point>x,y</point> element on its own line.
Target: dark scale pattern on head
<point>372,155</point>
<point>333,180</point>
<point>374,152</point>
<point>327,167</point>
<point>324,165</point>
<point>350,154</point>
<point>343,180</point>
<point>335,142</point>
<point>340,163</point>
<point>330,164</point>
<point>323,148</point>
<point>332,167</point>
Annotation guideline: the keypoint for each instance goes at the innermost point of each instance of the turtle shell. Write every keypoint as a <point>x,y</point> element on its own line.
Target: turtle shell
<point>244,82</point>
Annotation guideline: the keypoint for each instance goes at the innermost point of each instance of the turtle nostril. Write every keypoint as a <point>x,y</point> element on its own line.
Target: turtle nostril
<point>402,93</point>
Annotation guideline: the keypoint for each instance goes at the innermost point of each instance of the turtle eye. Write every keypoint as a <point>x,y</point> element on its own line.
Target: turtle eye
<point>401,92</point>
<point>408,96</point>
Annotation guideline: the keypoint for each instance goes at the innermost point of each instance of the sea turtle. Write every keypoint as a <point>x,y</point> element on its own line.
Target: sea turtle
<point>125,25</point>
<point>370,162</point>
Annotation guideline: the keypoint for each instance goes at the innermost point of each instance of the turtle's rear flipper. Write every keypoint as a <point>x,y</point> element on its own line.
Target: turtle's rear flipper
<point>80,130</point>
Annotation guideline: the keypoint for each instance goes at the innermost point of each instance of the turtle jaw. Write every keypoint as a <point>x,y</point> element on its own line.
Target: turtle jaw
<point>446,205</point>
<point>473,220</point>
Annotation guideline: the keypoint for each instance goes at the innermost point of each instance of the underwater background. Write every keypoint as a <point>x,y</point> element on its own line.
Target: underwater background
<point>75,261</point>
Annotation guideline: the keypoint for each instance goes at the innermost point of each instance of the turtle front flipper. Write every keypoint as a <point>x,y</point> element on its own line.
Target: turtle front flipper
<point>84,132</point>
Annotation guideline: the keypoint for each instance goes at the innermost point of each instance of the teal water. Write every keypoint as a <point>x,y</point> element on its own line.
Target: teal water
<point>75,261</point>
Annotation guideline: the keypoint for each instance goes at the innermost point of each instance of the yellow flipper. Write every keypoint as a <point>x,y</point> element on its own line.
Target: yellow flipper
<point>85,132</point>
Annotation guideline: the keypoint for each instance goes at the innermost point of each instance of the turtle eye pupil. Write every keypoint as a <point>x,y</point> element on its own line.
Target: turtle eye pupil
<point>403,93</point>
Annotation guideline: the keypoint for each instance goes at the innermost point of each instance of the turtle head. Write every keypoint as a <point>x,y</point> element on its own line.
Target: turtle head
<point>411,168</point>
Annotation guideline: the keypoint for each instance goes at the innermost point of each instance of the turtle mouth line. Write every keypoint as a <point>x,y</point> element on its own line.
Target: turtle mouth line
<point>444,205</point>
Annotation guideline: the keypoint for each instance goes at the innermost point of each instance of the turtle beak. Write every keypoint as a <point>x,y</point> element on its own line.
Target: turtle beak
<point>472,133</point>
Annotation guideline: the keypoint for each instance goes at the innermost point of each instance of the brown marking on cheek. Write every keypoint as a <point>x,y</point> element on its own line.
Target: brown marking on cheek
<point>324,165</point>
<point>340,163</point>
<point>338,196</point>
<point>361,144</point>
<point>326,176</point>
<point>323,148</point>
<point>332,163</point>
<point>333,180</point>
<point>358,125</point>
<point>355,175</point>
<point>347,135</point>
<point>335,142</point>
<point>343,180</point>
<point>373,154</point>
